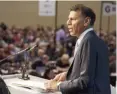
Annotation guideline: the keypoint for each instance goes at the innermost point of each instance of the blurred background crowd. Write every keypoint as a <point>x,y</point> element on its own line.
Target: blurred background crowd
<point>52,55</point>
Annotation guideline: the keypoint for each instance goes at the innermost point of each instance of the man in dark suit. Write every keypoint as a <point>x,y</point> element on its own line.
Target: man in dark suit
<point>89,71</point>
<point>3,87</point>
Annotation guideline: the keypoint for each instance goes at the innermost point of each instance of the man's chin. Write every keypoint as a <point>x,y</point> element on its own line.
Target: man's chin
<point>72,34</point>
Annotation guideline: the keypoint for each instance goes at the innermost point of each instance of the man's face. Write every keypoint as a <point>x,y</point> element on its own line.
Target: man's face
<point>75,23</point>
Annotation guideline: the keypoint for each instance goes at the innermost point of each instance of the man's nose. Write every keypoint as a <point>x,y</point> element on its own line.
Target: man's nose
<point>68,22</point>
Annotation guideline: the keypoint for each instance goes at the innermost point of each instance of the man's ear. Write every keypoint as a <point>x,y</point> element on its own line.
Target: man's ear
<point>87,21</point>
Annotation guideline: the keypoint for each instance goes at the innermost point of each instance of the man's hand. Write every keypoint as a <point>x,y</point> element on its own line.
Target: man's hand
<point>51,85</point>
<point>60,77</point>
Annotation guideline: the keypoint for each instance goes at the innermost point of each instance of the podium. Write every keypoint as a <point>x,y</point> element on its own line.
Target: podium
<point>19,86</point>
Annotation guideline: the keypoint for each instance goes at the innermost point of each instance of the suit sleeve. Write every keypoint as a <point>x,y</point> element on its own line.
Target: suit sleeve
<point>87,69</point>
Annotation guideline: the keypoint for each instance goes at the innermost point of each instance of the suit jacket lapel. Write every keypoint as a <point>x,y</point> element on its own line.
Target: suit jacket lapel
<point>79,48</point>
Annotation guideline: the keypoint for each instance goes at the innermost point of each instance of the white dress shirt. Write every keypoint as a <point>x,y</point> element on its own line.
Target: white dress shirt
<point>80,39</point>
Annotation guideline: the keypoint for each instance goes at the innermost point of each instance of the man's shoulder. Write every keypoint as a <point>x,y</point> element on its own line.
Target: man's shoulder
<point>90,36</point>
<point>94,40</point>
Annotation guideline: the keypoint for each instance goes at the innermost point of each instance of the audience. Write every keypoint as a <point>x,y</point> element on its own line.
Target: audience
<point>62,64</point>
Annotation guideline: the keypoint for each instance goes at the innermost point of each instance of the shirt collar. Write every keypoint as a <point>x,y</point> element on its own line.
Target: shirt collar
<point>83,34</point>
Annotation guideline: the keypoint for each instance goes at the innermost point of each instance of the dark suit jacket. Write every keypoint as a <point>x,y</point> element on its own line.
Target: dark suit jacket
<point>3,87</point>
<point>89,72</point>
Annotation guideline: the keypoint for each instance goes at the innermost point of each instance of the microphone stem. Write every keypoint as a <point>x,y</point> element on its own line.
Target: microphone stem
<point>5,58</point>
<point>25,68</point>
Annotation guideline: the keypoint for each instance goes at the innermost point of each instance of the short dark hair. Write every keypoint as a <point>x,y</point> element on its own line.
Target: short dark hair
<point>86,11</point>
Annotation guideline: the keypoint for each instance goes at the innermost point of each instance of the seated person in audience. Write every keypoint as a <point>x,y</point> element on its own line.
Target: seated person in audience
<point>45,59</point>
<point>4,69</point>
<point>51,50</point>
<point>70,44</point>
<point>41,52</point>
<point>112,58</point>
<point>38,68</point>
<point>63,63</point>
<point>49,74</point>
<point>113,73</point>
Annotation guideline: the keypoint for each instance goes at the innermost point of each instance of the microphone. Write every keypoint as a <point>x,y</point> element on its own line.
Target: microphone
<point>31,48</point>
<point>26,64</point>
<point>27,49</point>
<point>24,50</point>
